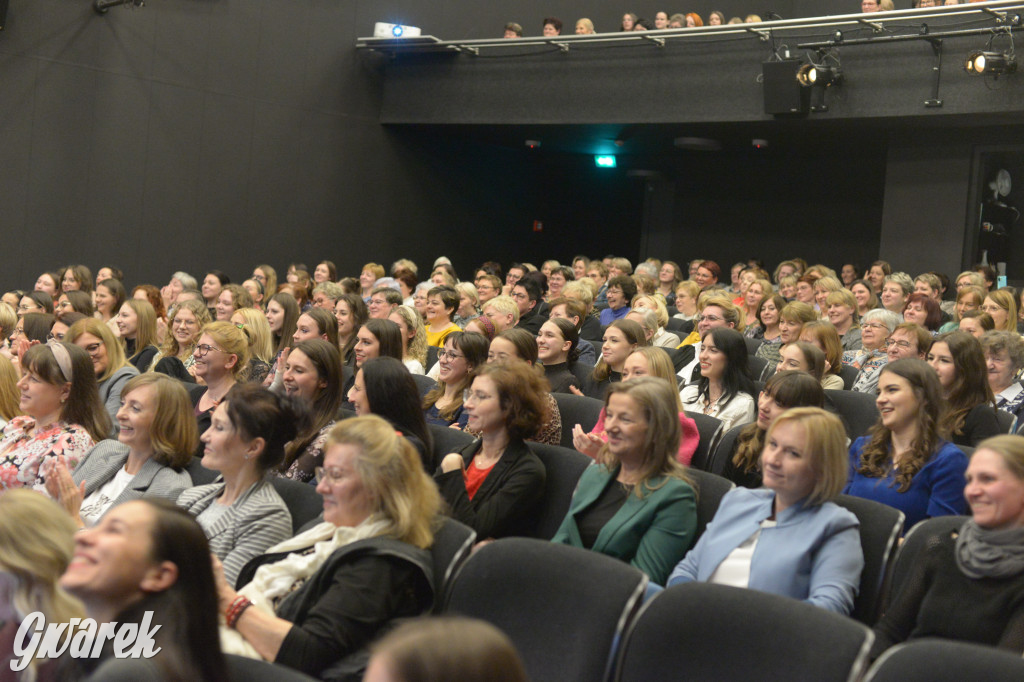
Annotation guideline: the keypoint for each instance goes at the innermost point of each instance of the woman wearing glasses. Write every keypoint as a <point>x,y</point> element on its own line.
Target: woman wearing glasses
<point>112,369</point>
<point>175,357</point>
<point>462,355</point>
<point>316,611</point>
<point>242,514</point>
<point>495,485</point>
<point>875,329</point>
<point>221,357</point>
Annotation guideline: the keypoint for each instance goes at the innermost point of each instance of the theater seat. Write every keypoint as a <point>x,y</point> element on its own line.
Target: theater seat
<point>303,501</point>
<point>453,543</point>
<point>576,409</point>
<point>934,660</point>
<point>710,491</point>
<point>244,669</point>
<point>880,530</point>
<point>564,467</point>
<point>710,430</point>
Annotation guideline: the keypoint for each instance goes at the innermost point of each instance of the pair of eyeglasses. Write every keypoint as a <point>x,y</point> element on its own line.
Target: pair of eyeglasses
<point>468,395</point>
<point>332,475</point>
<point>901,344</point>
<point>450,354</point>
<point>710,318</point>
<point>203,349</point>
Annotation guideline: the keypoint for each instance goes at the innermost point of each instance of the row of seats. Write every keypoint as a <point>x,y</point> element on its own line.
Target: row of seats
<point>579,616</point>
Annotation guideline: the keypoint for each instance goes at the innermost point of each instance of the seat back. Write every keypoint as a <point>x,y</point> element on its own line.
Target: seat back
<point>431,357</point>
<point>880,530</point>
<point>857,409</point>
<point>563,607</point>
<point>848,375</point>
<point>447,440</point>
<point>945,661</point>
<point>424,384</point>
<point>564,467</point>
<point>709,429</point>
<point>453,543</point>
<point>1005,420</point>
<point>704,631</point>
<point>724,450</point>
<point>752,344</point>
<point>680,327</point>
<point>710,491</point>
<point>200,474</point>
<point>576,409</point>
<point>254,670</point>
<point>758,367</point>
<point>909,551</point>
<point>303,501</point>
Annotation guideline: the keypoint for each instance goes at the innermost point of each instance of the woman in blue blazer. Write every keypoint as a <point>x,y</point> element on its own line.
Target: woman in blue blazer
<point>635,503</point>
<point>787,538</point>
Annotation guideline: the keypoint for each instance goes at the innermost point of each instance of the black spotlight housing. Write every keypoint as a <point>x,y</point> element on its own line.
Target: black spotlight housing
<point>986,62</point>
<point>811,75</point>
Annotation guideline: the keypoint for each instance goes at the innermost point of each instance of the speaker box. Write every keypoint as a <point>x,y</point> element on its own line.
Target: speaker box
<point>783,95</point>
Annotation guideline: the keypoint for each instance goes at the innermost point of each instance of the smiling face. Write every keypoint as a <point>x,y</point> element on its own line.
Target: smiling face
<point>754,296</point>
<point>916,313</point>
<point>501,350</point>
<point>896,402</point>
<point>616,348</point>
<point>135,418</point>
<point>69,283</point>
<point>705,278</point>
<point>127,322</point>
<point>994,492</point>
<point>625,424</point>
<point>112,563</point>
<point>275,316</point>
<point>483,404</point>
<point>792,358</point>
<point>97,351</point>
<point>635,366</point>
<point>378,306</point>
<point>892,297</point>
<point>713,361</point>
<point>873,335</point>
<point>105,301</point>
<point>616,299</point>
<point>367,346</point>
<point>848,274</point>
<point>27,305</point>
<point>711,317</point>
<point>786,464</point>
<point>876,276</point>
<point>555,283</point>
<point>305,329</point>
<point>347,502</point>
<point>357,395</point>
<point>367,278</point>
<point>225,305</point>
<point>769,314</point>
<point>185,327</point>
<point>211,287</point>
<point>902,344</point>
<point>452,364</point>
<point>346,321</point>
<point>552,348</point>
<point>941,360</point>
<point>841,316</point>
<point>301,378</point>
<point>1001,371</point>
<point>212,363</point>
<point>435,311</point>
<point>40,399</point>
<point>46,284</point>
<point>999,314</point>
<point>768,410</point>
<point>321,274</point>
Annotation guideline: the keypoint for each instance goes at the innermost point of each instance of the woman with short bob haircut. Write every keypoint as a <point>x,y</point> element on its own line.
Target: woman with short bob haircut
<point>824,336</point>
<point>63,415</point>
<point>421,651</point>
<point>970,414</point>
<point>1004,358</point>
<point>495,484</point>
<point>924,311</point>
<point>976,323</point>
<point>968,584</point>
<point>164,574</point>
<point>967,298</point>
<point>929,478</point>
<point>112,369</point>
<point>812,549</point>
<point>77,301</point>
<point>638,481</point>
<point>147,459</point>
<point>315,601</point>
<point>783,390</point>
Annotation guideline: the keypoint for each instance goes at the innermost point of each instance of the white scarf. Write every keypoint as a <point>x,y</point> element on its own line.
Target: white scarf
<point>275,580</point>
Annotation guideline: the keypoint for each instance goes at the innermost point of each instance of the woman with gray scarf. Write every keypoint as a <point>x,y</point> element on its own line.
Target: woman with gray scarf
<point>969,585</point>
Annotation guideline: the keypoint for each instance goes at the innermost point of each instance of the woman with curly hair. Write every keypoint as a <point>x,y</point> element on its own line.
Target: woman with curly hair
<point>175,357</point>
<point>959,362</point>
<point>904,461</point>
<point>414,338</point>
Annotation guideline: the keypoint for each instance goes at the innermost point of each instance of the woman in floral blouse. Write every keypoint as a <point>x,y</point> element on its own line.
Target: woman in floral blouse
<point>62,415</point>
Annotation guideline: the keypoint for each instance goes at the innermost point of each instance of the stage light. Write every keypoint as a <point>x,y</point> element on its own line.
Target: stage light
<point>810,75</point>
<point>604,161</point>
<point>385,30</point>
<point>985,63</point>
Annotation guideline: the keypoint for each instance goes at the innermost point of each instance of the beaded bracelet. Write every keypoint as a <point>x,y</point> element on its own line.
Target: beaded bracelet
<point>238,606</point>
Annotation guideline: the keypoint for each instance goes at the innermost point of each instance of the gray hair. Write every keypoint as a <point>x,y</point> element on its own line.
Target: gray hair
<point>904,280</point>
<point>187,280</point>
<point>886,317</point>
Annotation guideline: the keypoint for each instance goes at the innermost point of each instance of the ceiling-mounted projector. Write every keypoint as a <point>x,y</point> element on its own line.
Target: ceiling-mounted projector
<point>382,30</point>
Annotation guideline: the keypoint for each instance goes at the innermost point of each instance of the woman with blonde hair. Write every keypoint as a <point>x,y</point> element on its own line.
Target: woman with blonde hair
<point>637,504</point>
<point>792,319</point>
<point>649,361</point>
<point>112,369</point>
<point>175,358</point>
<point>823,335</point>
<point>9,394</point>
<point>669,277</point>
<point>1002,307</point>
<point>136,324</point>
<point>368,276</point>
<point>261,349</point>
<point>687,293</point>
<point>147,459</point>
<point>841,311</point>
<point>756,292</point>
<point>656,304</point>
<point>967,298</point>
<point>295,607</point>
<point>31,566</point>
<point>414,338</point>
<point>468,308</point>
<point>266,275</point>
<point>804,545</point>
<point>221,360</point>
<point>232,297</point>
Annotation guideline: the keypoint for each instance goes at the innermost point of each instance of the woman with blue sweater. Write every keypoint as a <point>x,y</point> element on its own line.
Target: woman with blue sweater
<point>904,461</point>
<point>787,538</point>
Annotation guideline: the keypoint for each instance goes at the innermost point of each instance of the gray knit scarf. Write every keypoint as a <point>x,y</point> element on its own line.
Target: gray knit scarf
<point>982,553</point>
